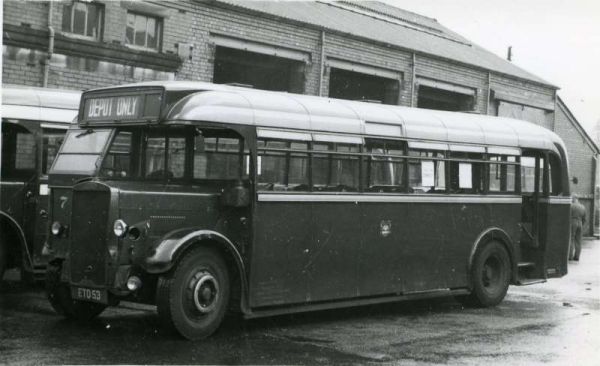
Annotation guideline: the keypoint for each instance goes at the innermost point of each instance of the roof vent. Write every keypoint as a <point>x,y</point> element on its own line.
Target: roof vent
<point>375,101</point>
<point>240,85</point>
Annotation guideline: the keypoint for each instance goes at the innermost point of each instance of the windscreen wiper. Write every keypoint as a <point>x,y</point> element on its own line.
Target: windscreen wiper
<point>86,132</point>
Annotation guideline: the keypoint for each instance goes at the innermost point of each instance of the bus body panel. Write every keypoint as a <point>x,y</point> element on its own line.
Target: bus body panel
<point>279,258</point>
<point>332,260</point>
<point>553,236</point>
<point>318,251</point>
<point>42,114</point>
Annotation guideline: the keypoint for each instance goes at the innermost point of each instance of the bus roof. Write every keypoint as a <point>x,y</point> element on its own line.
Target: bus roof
<point>40,104</point>
<point>279,110</point>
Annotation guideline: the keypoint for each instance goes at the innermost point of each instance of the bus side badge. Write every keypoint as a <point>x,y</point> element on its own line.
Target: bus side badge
<point>385,227</point>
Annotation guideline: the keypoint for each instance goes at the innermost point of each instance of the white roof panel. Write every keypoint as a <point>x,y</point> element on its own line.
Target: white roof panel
<point>221,103</point>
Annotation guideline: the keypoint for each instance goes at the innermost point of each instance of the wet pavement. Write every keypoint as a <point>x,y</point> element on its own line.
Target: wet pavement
<point>555,323</point>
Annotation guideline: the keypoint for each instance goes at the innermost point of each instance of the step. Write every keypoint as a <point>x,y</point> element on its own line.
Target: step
<point>530,281</point>
<point>525,264</point>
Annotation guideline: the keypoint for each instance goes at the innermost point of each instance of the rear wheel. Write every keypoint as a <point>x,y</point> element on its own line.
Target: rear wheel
<point>193,297</point>
<point>59,296</point>
<point>490,274</point>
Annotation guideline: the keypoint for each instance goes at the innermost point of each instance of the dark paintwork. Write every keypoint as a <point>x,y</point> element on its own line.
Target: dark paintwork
<point>300,253</point>
<point>322,251</point>
<point>25,210</point>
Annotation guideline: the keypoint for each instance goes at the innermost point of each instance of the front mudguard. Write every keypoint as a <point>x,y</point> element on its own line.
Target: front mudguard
<point>168,249</point>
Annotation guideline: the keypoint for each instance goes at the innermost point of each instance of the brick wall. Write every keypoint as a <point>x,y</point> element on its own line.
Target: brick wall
<point>580,160</point>
<point>14,72</point>
<point>580,153</point>
<point>34,13</point>
<point>370,54</point>
<point>192,22</point>
<point>455,74</point>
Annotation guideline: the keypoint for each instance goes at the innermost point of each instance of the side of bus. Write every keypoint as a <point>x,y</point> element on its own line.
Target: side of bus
<point>340,217</point>
<point>32,132</point>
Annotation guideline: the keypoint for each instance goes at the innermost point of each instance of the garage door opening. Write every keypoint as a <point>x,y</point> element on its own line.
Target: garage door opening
<point>258,70</point>
<point>351,85</point>
<point>445,100</point>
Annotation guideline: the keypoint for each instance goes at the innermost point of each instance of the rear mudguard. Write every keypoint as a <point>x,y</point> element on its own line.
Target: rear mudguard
<point>495,233</point>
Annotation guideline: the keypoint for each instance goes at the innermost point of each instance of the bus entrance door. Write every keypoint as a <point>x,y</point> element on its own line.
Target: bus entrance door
<point>531,265</point>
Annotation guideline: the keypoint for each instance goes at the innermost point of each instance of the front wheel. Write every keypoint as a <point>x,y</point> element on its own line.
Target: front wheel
<point>193,297</point>
<point>490,275</point>
<point>59,296</point>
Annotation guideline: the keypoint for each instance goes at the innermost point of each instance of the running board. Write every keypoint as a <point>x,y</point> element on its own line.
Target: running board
<point>532,281</point>
<point>526,264</point>
<point>303,308</point>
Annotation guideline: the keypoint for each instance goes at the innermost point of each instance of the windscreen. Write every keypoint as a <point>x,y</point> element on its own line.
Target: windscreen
<point>81,151</point>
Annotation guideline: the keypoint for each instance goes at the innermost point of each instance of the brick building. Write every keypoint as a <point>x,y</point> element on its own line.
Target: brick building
<point>346,49</point>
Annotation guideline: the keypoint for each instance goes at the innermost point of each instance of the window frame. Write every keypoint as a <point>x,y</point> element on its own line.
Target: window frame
<point>99,8</point>
<point>158,29</point>
<point>45,132</point>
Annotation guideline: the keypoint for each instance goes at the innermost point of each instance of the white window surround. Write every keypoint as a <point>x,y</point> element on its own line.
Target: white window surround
<point>262,48</point>
<point>438,84</point>
<point>363,69</point>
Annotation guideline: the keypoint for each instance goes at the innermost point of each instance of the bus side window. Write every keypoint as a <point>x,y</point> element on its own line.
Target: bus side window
<point>176,157</point>
<point>25,151</point>
<point>282,165</point>
<point>555,175</point>
<point>527,174</point>
<point>385,166</point>
<point>427,175</point>
<point>337,168</point>
<point>51,141</point>
<point>345,168</point>
<point>502,174</point>
<point>155,157</point>
<point>297,178</point>
<point>217,158</point>
<point>466,176</point>
<point>117,162</point>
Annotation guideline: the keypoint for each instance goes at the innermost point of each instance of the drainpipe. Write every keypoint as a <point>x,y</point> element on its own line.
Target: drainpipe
<point>488,97</point>
<point>50,45</point>
<point>414,82</point>
<point>322,66</point>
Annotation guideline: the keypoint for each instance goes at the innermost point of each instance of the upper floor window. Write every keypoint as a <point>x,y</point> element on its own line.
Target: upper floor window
<point>143,31</point>
<point>83,19</point>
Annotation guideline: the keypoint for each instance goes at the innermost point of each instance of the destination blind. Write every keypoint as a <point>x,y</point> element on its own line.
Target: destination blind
<point>122,108</point>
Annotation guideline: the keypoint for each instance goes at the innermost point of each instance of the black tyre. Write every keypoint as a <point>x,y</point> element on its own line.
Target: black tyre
<point>490,275</point>
<point>193,297</point>
<point>59,296</point>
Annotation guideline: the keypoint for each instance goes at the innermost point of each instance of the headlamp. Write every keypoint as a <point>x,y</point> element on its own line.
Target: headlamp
<point>120,228</point>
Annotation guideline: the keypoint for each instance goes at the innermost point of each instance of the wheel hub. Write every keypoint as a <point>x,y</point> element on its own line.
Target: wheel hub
<point>206,292</point>
<point>490,273</point>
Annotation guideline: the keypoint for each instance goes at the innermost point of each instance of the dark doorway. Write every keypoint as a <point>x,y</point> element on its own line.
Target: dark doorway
<point>356,86</point>
<point>258,70</point>
<point>432,98</point>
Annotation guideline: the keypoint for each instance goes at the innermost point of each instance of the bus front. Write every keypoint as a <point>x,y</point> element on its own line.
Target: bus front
<point>131,192</point>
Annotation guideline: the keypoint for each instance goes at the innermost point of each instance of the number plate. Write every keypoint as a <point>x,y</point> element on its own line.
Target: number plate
<point>89,294</point>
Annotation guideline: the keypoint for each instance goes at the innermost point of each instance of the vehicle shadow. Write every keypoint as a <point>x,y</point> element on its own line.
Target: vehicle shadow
<point>131,333</point>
